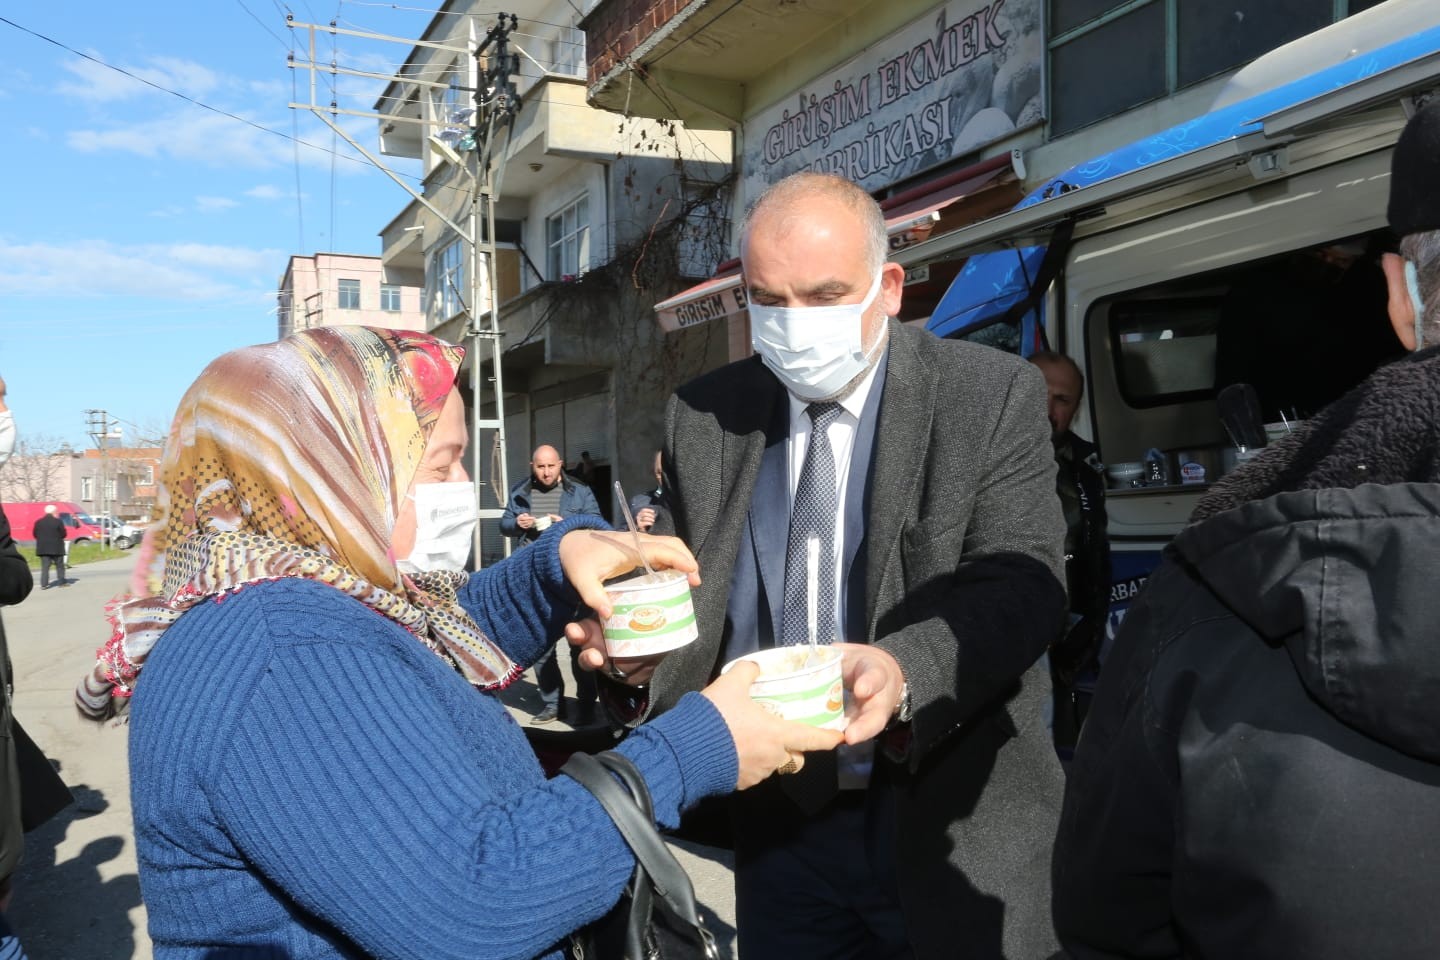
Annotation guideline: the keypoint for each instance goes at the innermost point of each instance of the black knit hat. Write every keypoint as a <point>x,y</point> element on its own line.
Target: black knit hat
<point>1415,175</point>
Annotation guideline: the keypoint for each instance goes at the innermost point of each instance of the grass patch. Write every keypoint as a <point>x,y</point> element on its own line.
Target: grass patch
<point>80,554</point>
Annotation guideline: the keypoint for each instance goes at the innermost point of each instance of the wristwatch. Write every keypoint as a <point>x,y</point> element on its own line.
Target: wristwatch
<point>902,709</point>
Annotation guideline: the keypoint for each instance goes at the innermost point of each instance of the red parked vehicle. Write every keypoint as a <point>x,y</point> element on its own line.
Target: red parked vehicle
<point>79,527</point>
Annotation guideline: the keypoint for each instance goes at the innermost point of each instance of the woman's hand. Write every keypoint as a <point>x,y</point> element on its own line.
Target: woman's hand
<point>587,635</point>
<point>763,742</point>
<point>590,557</point>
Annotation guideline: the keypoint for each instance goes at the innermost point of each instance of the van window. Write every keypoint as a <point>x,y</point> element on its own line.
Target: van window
<point>1001,336</point>
<point>1165,347</point>
<point>1302,328</point>
<point>69,520</point>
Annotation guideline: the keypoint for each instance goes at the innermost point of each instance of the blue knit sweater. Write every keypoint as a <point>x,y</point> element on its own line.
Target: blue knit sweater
<point>309,781</point>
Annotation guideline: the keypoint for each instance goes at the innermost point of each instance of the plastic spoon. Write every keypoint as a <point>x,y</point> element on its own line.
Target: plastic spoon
<point>634,530</point>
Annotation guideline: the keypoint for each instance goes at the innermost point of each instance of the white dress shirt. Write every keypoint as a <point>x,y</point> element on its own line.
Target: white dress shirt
<point>853,763</point>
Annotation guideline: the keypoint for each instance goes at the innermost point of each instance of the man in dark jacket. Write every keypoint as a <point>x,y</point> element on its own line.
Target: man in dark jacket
<point>1075,655</point>
<point>15,586</point>
<point>50,547</point>
<point>30,790</point>
<point>921,469</point>
<point>1260,770</point>
<point>542,497</point>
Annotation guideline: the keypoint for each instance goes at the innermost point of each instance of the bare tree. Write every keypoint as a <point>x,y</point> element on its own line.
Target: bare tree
<point>36,471</point>
<point>148,433</point>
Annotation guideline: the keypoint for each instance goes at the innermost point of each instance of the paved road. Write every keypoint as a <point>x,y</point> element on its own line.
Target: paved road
<point>77,894</point>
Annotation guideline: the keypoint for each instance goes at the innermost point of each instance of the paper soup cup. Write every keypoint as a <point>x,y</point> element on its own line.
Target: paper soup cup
<point>788,688</point>
<point>649,615</point>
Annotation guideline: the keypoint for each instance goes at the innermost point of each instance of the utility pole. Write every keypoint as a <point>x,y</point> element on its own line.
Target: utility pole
<point>99,429</point>
<point>496,103</point>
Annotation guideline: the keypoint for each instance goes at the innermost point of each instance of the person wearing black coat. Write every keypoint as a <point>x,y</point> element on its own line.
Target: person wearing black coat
<point>50,547</point>
<point>30,790</point>
<point>1080,486</point>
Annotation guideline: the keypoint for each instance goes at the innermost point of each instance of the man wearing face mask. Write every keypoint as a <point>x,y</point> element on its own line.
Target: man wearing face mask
<point>1276,681</point>
<point>923,470</point>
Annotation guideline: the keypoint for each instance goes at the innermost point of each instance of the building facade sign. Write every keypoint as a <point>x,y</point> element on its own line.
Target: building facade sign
<point>964,75</point>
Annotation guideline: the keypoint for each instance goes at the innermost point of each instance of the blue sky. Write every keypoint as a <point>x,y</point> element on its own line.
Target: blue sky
<point>144,235</point>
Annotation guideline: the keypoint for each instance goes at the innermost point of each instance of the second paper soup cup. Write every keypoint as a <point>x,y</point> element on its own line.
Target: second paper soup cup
<point>796,686</point>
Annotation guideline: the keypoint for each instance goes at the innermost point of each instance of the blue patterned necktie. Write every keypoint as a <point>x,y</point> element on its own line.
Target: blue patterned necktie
<point>817,503</point>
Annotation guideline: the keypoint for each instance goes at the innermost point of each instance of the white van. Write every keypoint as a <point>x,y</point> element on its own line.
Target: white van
<point>1238,247</point>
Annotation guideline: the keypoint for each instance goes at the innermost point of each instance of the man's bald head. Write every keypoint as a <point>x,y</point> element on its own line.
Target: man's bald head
<point>545,465</point>
<point>790,197</point>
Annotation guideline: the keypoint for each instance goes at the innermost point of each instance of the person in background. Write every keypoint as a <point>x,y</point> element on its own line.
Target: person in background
<point>585,471</point>
<point>923,471</point>
<point>31,792</point>
<point>1260,771</point>
<point>1080,485</point>
<point>50,547</point>
<point>7,428</point>
<point>548,496</point>
<point>318,766</point>
<point>545,496</point>
<point>15,586</point>
<point>651,509</point>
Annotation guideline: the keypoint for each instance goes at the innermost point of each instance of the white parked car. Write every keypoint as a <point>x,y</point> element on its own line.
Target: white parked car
<point>120,534</point>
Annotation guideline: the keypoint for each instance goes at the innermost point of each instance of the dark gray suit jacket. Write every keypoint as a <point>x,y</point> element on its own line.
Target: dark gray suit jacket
<point>962,565</point>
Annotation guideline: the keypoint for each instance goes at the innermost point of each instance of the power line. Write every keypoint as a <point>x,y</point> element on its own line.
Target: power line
<point>186,97</point>
<point>262,24</point>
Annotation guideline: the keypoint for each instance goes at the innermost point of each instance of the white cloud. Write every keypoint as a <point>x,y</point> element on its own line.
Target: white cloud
<point>213,256</point>
<point>159,271</point>
<point>215,204</point>
<point>270,89</point>
<point>101,84</point>
<point>266,192</point>
<point>214,140</point>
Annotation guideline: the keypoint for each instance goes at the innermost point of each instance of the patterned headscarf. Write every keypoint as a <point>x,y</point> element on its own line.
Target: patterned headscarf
<point>292,459</point>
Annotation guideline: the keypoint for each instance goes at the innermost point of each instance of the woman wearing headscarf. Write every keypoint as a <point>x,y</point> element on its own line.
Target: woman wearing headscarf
<point>312,771</point>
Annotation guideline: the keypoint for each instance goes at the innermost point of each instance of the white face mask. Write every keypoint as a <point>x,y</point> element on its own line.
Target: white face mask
<point>1412,283</point>
<point>445,518</point>
<point>814,351</point>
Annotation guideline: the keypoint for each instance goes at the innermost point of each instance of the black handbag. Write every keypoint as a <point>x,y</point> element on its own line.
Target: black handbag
<point>656,918</point>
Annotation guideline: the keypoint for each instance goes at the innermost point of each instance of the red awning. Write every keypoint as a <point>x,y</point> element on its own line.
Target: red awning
<point>911,215</point>
<point>909,218</point>
<point>718,297</point>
